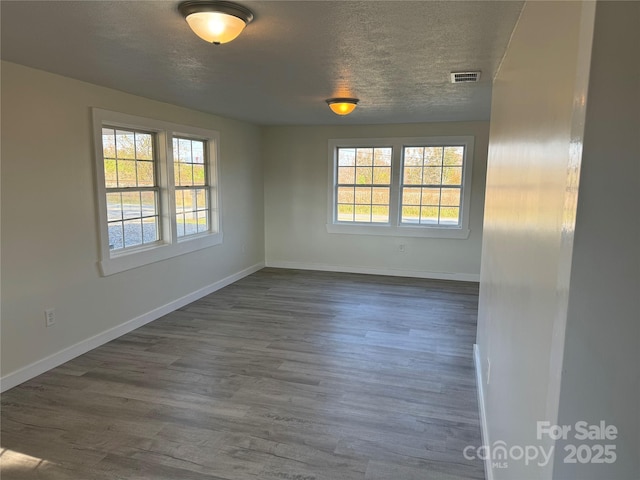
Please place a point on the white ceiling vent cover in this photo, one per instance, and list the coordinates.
(465, 77)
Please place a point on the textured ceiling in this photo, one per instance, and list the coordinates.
(395, 56)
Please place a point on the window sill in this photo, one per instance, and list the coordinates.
(400, 231)
(120, 262)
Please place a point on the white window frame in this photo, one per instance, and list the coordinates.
(394, 227)
(169, 245)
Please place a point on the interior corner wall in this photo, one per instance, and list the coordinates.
(600, 380)
(296, 193)
(533, 166)
(49, 227)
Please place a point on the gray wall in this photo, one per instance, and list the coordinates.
(532, 179)
(49, 228)
(296, 192)
(601, 355)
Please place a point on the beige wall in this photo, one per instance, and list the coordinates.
(49, 231)
(296, 192)
(532, 179)
(602, 350)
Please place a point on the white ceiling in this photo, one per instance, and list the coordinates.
(395, 56)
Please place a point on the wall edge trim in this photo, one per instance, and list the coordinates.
(484, 429)
(39, 367)
(393, 272)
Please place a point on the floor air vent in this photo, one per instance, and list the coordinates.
(464, 77)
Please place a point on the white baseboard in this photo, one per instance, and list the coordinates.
(488, 471)
(393, 272)
(37, 368)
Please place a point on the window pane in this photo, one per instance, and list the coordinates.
(364, 175)
(433, 156)
(346, 157)
(412, 176)
(186, 174)
(345, 195)
(176, 174)
(346, 175)
(180, 224)
(410, 214)
(108, 143)
(450, 197)
(364, 157)
(179, 201)
(363, 213)
(198, 174)
(116, 236)
(363, 195)
(125, 146)
(148, 203)
(380, 214)
(197, 151)
(380, 196)
(452, 176)
(126, 173)
(345, 213)
(176, 152)
(149, 229)
(382, 175)
(413, 156)
(184, 149)
(203, 224)
(144, 146)
(110, 174)
(201, 199)
(382, 157)
(430, 196)
(190, 226)
(145, 174)
(411, 196)
(432, 175)
(453, 156)
(132, 232)
(114, 207)
(193, 195)
(189, 200)
(449, 215)
(429, 215)
(131, 205)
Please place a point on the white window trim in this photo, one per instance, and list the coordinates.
(170, 245)
(394, 227)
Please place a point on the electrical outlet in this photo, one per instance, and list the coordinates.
(50, 317)
(488, 371)
(402, 248)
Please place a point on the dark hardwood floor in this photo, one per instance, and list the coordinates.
(286, 374)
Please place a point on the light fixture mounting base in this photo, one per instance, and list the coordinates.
(198, 6)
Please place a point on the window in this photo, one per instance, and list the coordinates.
(364, 183)
(192, 186)
(400, 186)
(432, 185)
(131, 187)
(156, 187)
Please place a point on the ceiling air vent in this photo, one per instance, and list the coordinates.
(464, 77)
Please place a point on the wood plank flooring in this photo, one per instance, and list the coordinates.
(286, 374)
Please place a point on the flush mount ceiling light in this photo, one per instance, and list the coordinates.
(215, 21)
(342, 106)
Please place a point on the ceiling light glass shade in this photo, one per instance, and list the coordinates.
(342, 106)
(215, 21)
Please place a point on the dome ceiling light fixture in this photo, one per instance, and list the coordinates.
(342, 106)
(215, 21)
